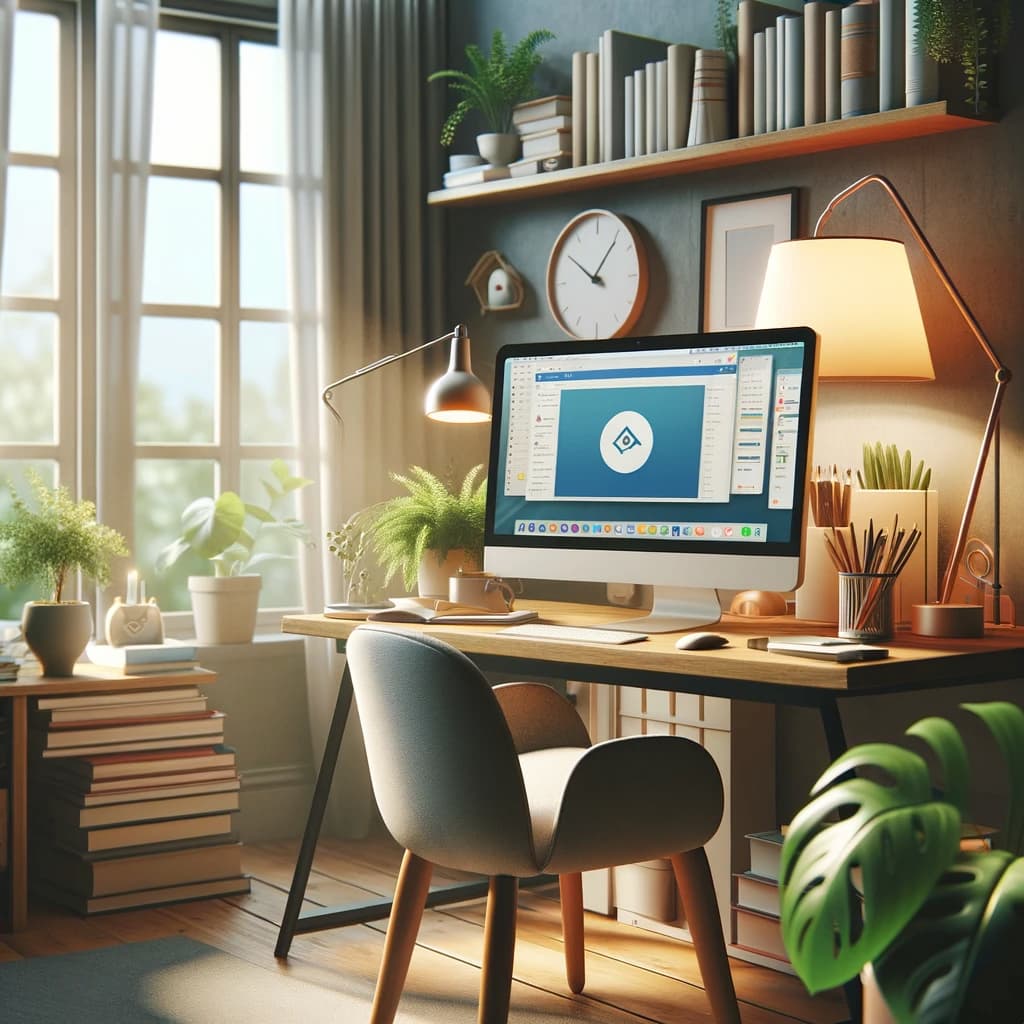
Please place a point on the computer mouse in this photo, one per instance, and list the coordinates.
(701, 641)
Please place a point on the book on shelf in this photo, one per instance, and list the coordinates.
(475, 175)
(760, 932)
(793, 115)
(593, 105)
(579, 108)
(629, 113)
(166, 727)
(640, 112)
(112, 872)
(540, 165)
(130, 747)
(752, 16)
(140, 654)
(892, 52)
(858, 56)
(814, 59)
(67, 815)
(759, 84)
(766, 853)
(108, 766)
(145, 897)
(623, 54)
(770, 91)
(143, 669)
(546, 143)
(157, 788)
(833, 75)
(651, 107)
(680, 60)
(780, 72)
(756, 893)
(562, 122)
(661, 105)
(91, 840)
(921, 71)
(98, 700)
(543, 106)
(111, 712)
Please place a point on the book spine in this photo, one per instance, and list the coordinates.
(680, 93)
(858, 55)
(814, 62)
(922, 73)
(604, 67)
(892, 47)
(759, 82)
(640, 112)
(661, 105)
(780, 72)
(709, 121)
(746, 71)
(593, 112)
(651, 123)
(579, 108)
(628, 110)
(770, 57)
(833, 30)
(794, 72)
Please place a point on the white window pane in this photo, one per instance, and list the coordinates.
(261, 83)
(182, 262)
(281, 588)
(264, 277)
(14, 473)
(35, 85)
(30, 233)
(186, 101)
(163, 488)
(28, 355)
(178, 360)
(266, 384)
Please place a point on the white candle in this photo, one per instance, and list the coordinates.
(142, 591)
(132, 595)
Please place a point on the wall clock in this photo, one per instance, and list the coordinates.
(597, 276)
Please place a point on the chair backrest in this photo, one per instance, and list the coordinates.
(442, 762)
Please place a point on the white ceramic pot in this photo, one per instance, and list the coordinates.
(498, 148)
(57, 633)
(224, 607)
(434, 573)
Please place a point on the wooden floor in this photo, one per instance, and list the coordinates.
(633, 976)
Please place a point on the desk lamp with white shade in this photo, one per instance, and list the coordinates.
(858, 294)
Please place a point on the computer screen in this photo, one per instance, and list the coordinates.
(678, 461)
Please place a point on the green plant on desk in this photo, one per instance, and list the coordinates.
(886, 470)
(880, 851)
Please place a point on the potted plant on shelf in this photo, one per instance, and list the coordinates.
(873, 876)
(430, 533)
(50, 543)
(226, 531)
(493, 85)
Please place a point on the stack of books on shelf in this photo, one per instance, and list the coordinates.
(133, 799)
(544, 127)
(143, 659)
(758, 928)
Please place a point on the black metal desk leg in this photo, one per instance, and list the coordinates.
(297, 892)
(832, 723)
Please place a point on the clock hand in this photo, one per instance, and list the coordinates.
(592, 277)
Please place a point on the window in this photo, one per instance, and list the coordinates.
(214, 391)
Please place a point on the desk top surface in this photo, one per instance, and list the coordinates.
(914, 661)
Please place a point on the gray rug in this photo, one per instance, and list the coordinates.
(166, 981)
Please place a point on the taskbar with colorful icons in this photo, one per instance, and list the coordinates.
(634, 528)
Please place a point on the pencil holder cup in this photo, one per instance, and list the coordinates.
(865, 605)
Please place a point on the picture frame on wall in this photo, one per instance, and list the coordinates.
(736, 235)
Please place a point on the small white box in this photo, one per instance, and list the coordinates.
(647, 888)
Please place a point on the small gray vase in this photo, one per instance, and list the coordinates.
(57, 633)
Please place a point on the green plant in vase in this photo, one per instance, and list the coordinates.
(873, 873)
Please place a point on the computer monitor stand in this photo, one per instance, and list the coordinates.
(675, 609)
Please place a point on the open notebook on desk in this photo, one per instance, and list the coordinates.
(437, 610)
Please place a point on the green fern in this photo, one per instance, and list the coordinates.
(430, 517)
(494, 84)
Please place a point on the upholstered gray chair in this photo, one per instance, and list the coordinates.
(503, 782)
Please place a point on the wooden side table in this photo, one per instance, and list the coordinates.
(87, 679)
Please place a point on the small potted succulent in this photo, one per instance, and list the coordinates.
(493, 85)
(428, 534)
(226, 531)
(50, 543)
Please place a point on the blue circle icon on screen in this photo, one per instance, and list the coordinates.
(627, 441)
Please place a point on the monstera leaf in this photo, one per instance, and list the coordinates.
(850, 886)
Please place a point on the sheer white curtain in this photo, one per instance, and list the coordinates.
(125, 47)
(7, 10)
(366, 264)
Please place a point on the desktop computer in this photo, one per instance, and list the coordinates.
(677, 461)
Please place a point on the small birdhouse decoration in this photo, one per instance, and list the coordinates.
(495, 283)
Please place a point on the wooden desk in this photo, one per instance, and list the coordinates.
(734, 672)
(19, 693)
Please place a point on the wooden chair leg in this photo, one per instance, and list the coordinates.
(403, 926)
(693, 876)
(499, 950)
(570, 888)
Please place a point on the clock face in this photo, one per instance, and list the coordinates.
(597, 276)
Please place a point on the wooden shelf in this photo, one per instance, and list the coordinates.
(906, 123)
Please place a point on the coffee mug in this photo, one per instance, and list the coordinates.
(481, 590)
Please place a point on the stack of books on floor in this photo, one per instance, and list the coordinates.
(133, 800)
(758, 928)
(544, 127)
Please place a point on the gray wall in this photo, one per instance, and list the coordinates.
(965, 188)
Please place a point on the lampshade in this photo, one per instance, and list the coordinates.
(859, 295)
(458, 396)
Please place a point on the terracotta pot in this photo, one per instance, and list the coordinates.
(57, 633)
(224, 607)
(434, 574)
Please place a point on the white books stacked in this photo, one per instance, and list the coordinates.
(142, 659)
(546, 130)
(756, 909)
(475, 175)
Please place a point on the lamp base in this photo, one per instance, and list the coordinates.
(948, 620)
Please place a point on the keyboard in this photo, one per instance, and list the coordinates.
(581, 634)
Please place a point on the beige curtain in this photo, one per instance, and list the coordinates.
(7, 14)
(366, 263)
